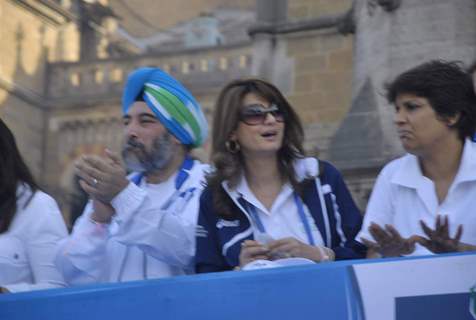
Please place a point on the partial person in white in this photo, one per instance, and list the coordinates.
(472, 72)
(30, 225)
(141, 226)
(424, 202)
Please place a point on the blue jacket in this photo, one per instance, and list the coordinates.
(219, 241)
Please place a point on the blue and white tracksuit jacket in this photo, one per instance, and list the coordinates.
(218, 241)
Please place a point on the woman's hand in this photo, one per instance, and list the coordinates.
(439, 239)
(252, 250)
(291, 247)
(388, 242)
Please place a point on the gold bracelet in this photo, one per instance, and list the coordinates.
(327, 254)
(98, 223)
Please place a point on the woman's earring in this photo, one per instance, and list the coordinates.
(232, 146)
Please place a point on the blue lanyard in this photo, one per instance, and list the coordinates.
(182, 176)
(251, 209)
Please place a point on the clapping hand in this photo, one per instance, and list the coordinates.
(439, 239)
(389, 242)
(101, 177)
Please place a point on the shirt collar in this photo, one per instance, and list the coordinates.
(23, 193)
(467, 168)
(305, 168)
(243, 190)
(410, 174)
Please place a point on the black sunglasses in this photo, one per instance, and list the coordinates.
(255, 114)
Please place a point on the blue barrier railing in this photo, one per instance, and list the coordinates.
(359, 289)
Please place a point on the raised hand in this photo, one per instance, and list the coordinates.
(439, 239)
(101, 177)
(389, 242)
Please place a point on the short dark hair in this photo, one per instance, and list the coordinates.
(140, 96)
(472, 67)
(448, 88)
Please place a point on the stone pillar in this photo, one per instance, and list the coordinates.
(270, 59)
(391, 37)
(271, 11)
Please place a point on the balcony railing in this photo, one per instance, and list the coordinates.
(198, 70)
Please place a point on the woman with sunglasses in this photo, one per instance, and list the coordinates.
(265, 200)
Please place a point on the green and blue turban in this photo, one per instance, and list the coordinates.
(171, 102)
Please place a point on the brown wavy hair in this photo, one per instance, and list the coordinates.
(228, 165)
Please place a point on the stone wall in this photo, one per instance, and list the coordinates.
(142, 18)
(308, 9)
(321, 89)
(32, 34)
(201, 70)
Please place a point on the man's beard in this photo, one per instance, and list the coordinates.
(137, 158)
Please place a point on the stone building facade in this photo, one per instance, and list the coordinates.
(64, 62)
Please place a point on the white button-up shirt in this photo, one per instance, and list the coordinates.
(28, 247)
(402, 196)
(282, 220)
(143, 241)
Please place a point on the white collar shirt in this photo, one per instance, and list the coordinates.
(135, 265)
(402, 197)
(28, 247)
(143, 241)
(282, 220)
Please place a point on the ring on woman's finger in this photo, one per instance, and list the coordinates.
(95, 182)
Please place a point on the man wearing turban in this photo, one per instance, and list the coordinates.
(141, 226)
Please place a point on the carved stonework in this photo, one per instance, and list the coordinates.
(387, 5)
(88, 82)
(48, 10)
(347, 25)
(92, 135)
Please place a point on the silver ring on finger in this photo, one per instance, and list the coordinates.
(95, 182)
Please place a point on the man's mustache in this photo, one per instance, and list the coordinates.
(132, 143)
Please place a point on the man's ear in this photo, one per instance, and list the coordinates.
(174, 139)
(452, 120)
